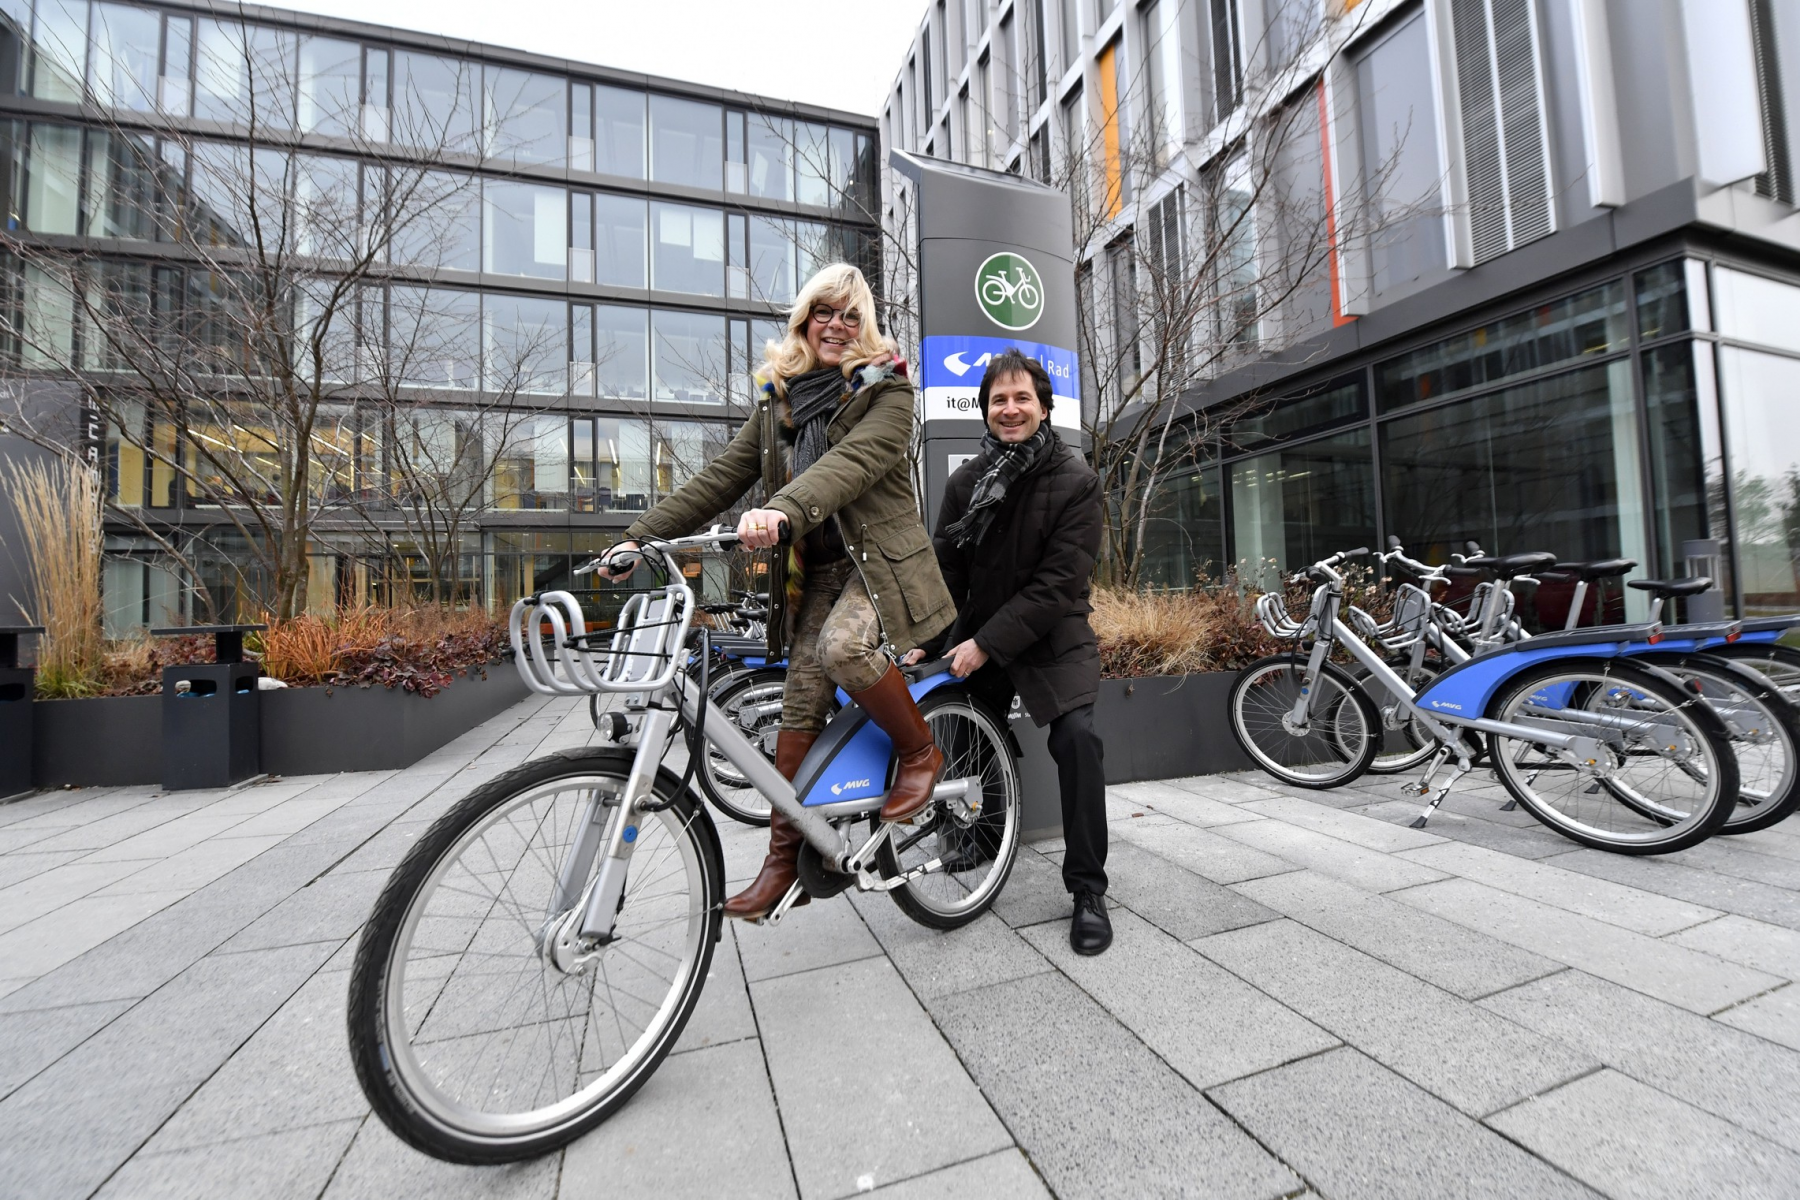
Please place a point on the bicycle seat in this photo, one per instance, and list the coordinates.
(1511, 566)
(1603, 568)
(1672, 587)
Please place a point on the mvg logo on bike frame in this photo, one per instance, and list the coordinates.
(1010, 291)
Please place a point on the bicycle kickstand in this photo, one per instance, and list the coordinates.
(1426, 787)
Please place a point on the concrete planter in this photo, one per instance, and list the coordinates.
(305, 731)
(1159, 727)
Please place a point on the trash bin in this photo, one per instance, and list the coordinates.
(1702, 556)
(16, 687)
(211, 713)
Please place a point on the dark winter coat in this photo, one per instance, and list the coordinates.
(863, 482)
(1022, 592)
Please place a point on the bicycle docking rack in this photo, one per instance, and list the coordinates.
(17, 686)
(211, 713)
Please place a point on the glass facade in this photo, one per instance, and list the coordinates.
(1620, 420)
(536, 330)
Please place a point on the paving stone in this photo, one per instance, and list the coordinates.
(1371, 870)
(820, 934)
(271, 1166)
(1441, 952)
(1183, 805)
(720, 1096)
(1632, 1141)
(1662, 969)
(938, 962)
(1097, 1112)
(1775, 1016)
(191, 869)
(1205, 853)
(41, 945)
(1778, 840)
(1627, 907)
(1002, 1176)
(1458, 1052)
(1233, 788)
(1728, 856)
(61, 1140)
(49, 891)
(379, 1166)
(723, 1013)
(329, 909)
(1174, 899)
(1733, 1075)
(1358, 1131)
(16, 868)
(1202, 1020)
(1741, 940)
(1523, 841)
(31, 1041)
(1351, 827)
(1665, 875)
(854, 1104)
(1034, 892)
(384, 850)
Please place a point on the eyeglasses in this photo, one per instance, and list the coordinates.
(822, 313)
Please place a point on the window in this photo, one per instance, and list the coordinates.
(619, 132)
(619, 241)
(244, 75)
(688, 251)
(1751, 308)
(1501, 96)
(1184, 532)
(1401, 186)
(1227, 57)
(1070, 23)
(1162, 77)
(125, 190)
(689, 357)
(1074, 149)
(331, 87)
(1288, 25)
(526, 116)
(58, 46)
(122, 57)
(1006, 85)
(1294, 416)
(686, 143)
(1234, 219)
(176, 87)
(327, 199)
(812, 164)
(1592, 322)
(524, 229)
(771, 260)
(525, 344)
(622, 352)
(679, 449)
(1121, 265)
(581, 127)
(434, 103)
(53, 175)
(1760, 427)
(1036, 72)
(437, 219)
(610, 465)
(1294, 506)
(531, 462)
(770, 164)
(434, 338)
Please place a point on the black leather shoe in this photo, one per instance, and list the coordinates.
(1090, 931)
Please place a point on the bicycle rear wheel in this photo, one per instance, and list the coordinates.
(1336, 745)
(1780, 663)
(1764, 731)
(1405, 743)
(1656, 773)
(974, 838)
(477, 1033)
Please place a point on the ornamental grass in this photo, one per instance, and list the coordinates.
(58, 506)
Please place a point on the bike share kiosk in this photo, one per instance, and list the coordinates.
(16, 687)
(211, 713)
(996, 271)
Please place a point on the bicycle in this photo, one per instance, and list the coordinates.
(997, 290)
(538, 951)
(1591, 744)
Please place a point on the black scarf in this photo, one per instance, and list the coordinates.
(1003, 464)
(811, 398)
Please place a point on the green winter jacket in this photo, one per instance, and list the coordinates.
(864, 482)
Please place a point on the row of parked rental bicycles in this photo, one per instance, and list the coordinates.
(1636, 738)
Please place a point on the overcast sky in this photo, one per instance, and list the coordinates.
(840, 53)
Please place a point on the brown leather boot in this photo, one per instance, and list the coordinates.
(891, 706)
(778, 869)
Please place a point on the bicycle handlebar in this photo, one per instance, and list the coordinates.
(716, 538)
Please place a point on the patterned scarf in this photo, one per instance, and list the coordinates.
(811, 398)
(1003, 464)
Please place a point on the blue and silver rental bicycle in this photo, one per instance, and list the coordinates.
(536, 954)
(1602, 749)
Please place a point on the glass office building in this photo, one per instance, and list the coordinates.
(609, 250)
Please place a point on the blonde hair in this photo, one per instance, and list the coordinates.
(841, 286)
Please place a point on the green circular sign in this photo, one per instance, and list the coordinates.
(1009, 290)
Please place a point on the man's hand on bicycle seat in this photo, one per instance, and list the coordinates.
(619, 561)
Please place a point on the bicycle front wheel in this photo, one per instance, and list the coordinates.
(1337, 742)
(480, 1031)
(1405, 742)
(1654, 773)
(1764, 735)
(973, 838)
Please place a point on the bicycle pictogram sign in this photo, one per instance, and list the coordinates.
(1010, 290)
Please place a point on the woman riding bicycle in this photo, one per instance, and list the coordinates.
(829, 440)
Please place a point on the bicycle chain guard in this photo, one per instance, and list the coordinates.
(819, 880)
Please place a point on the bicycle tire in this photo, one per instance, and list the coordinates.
(418, 1109)
(727, 791)
(1763, 800)
(1780, 662)
(1413, 744)
(1677, 802)
(1262, 694)
(975, 742)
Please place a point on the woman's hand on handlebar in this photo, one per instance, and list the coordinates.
(912, 658)
(617, 564)
(761, 528)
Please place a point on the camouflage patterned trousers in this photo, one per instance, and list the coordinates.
(836, 643)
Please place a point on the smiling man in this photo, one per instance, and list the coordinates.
(1016, 542)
